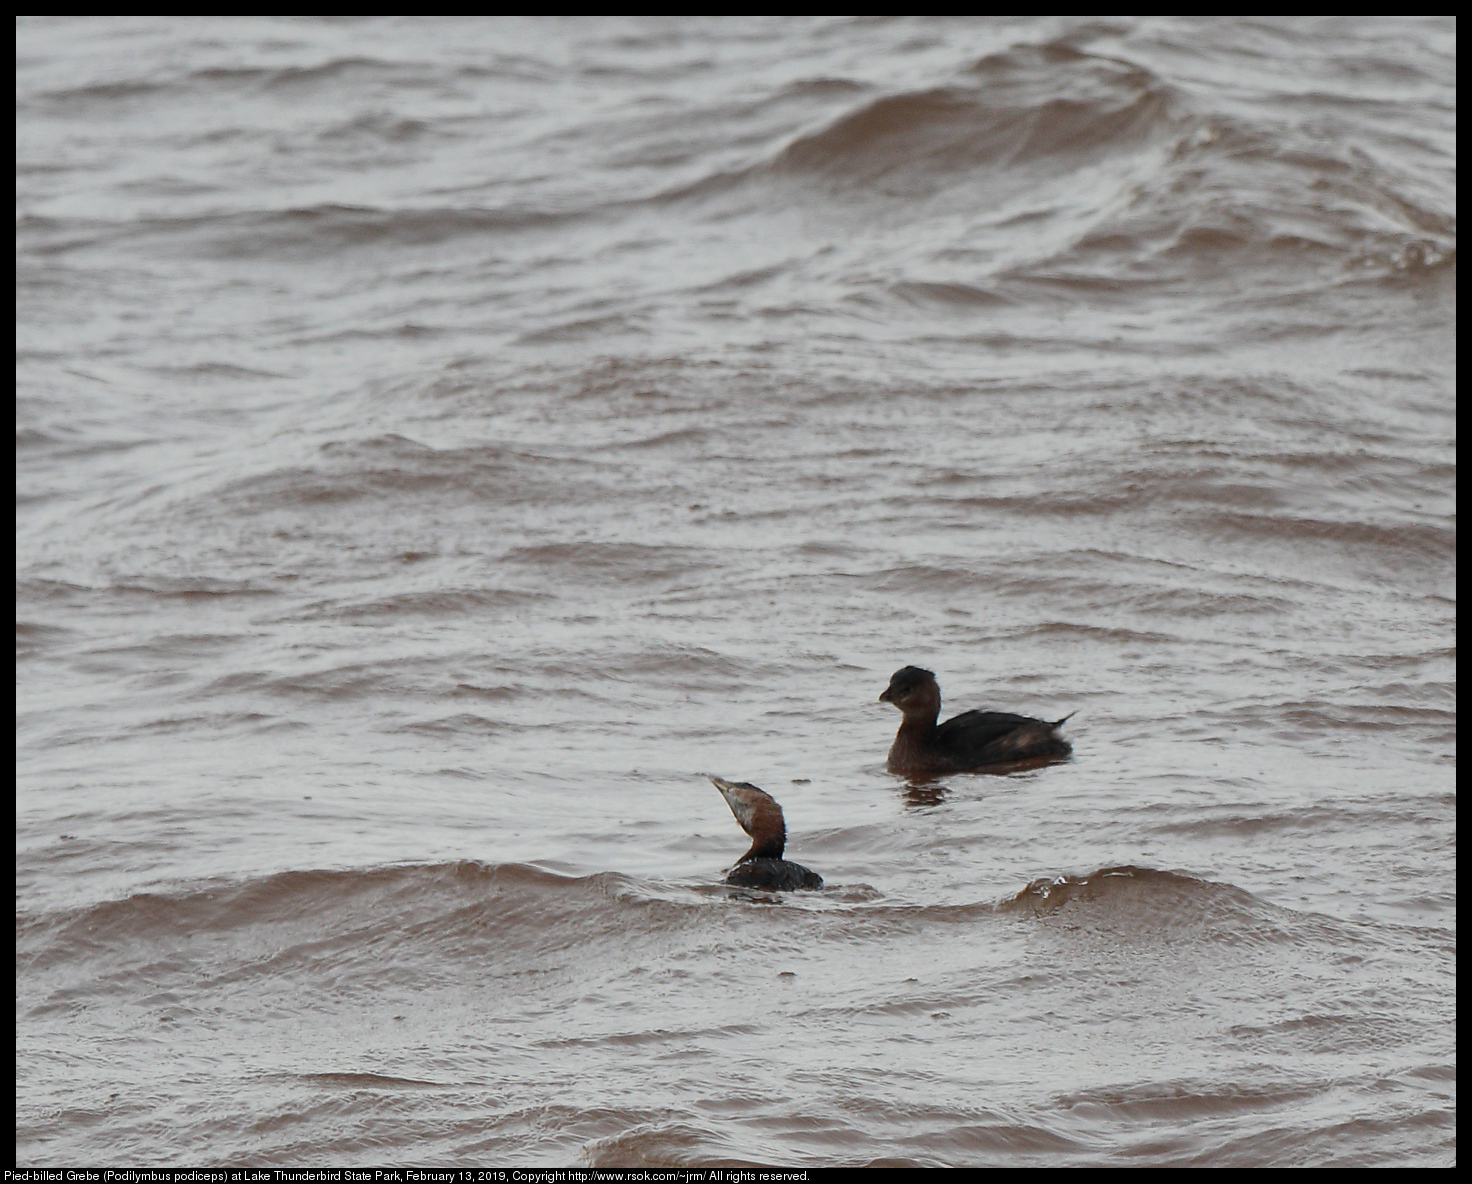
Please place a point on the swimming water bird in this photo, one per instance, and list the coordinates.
(761, 818)
(969, 741)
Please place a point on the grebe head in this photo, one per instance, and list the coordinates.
(759, 815)
(914, 691)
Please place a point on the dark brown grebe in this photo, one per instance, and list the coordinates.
(761, 818)
(971, 740)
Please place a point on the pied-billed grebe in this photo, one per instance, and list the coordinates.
(761, 818)
(971, 740)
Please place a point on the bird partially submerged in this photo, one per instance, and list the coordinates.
(969, 741)
(761, 818)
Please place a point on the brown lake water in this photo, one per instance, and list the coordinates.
(439, 442)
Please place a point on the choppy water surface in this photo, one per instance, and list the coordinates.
(439, 442)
